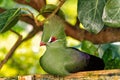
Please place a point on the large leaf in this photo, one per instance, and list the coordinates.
(89, 47)
(111, 14)
(111, 56)
(90, 14)
(8, 19)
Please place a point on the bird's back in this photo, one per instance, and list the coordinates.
(92, 62)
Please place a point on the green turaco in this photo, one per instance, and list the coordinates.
(59, 59)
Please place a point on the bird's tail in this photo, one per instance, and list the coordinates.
(95, 63)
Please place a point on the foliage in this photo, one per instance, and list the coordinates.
(110, 53)
(111, 15)
(10, 4)
(93, 14)
(8, 19)
(89, 47)
(111, 56)
(90, 14)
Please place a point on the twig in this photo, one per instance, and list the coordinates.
(29, 12)
(18, 42)
(31, 34)
(56, 10)
(31, 15)
(10, 53)
(52, 14)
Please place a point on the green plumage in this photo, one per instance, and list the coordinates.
(59, 59)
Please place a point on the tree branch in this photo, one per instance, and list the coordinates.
(34, 31)
(2, 10)
(36, 4)
(107, 35)
(11, 51)
(18, 42)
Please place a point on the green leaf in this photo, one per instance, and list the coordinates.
(88, 47)
(27, 0)
(90, 14)
(8, 19)
(70, 11)
(1, 1)
(49, 8)
(107, 55)
(111, 13)
(111, 56)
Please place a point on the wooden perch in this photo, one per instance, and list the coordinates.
(88, 75)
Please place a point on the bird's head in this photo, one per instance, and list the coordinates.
(53, 32)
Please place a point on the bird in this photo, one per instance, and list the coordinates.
(60, 60)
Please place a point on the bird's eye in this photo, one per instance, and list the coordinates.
(52, 39)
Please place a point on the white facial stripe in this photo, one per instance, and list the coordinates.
(50, 39)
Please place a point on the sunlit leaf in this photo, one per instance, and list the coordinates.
(88, 47)
(90, 14)
(52, 1)
(70, 10)
(111, 14)
(71, 42)
(8, 19)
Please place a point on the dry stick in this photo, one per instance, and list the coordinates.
(10, 53)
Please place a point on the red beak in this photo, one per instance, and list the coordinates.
(42, 44)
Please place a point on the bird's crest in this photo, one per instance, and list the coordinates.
(53, 30)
